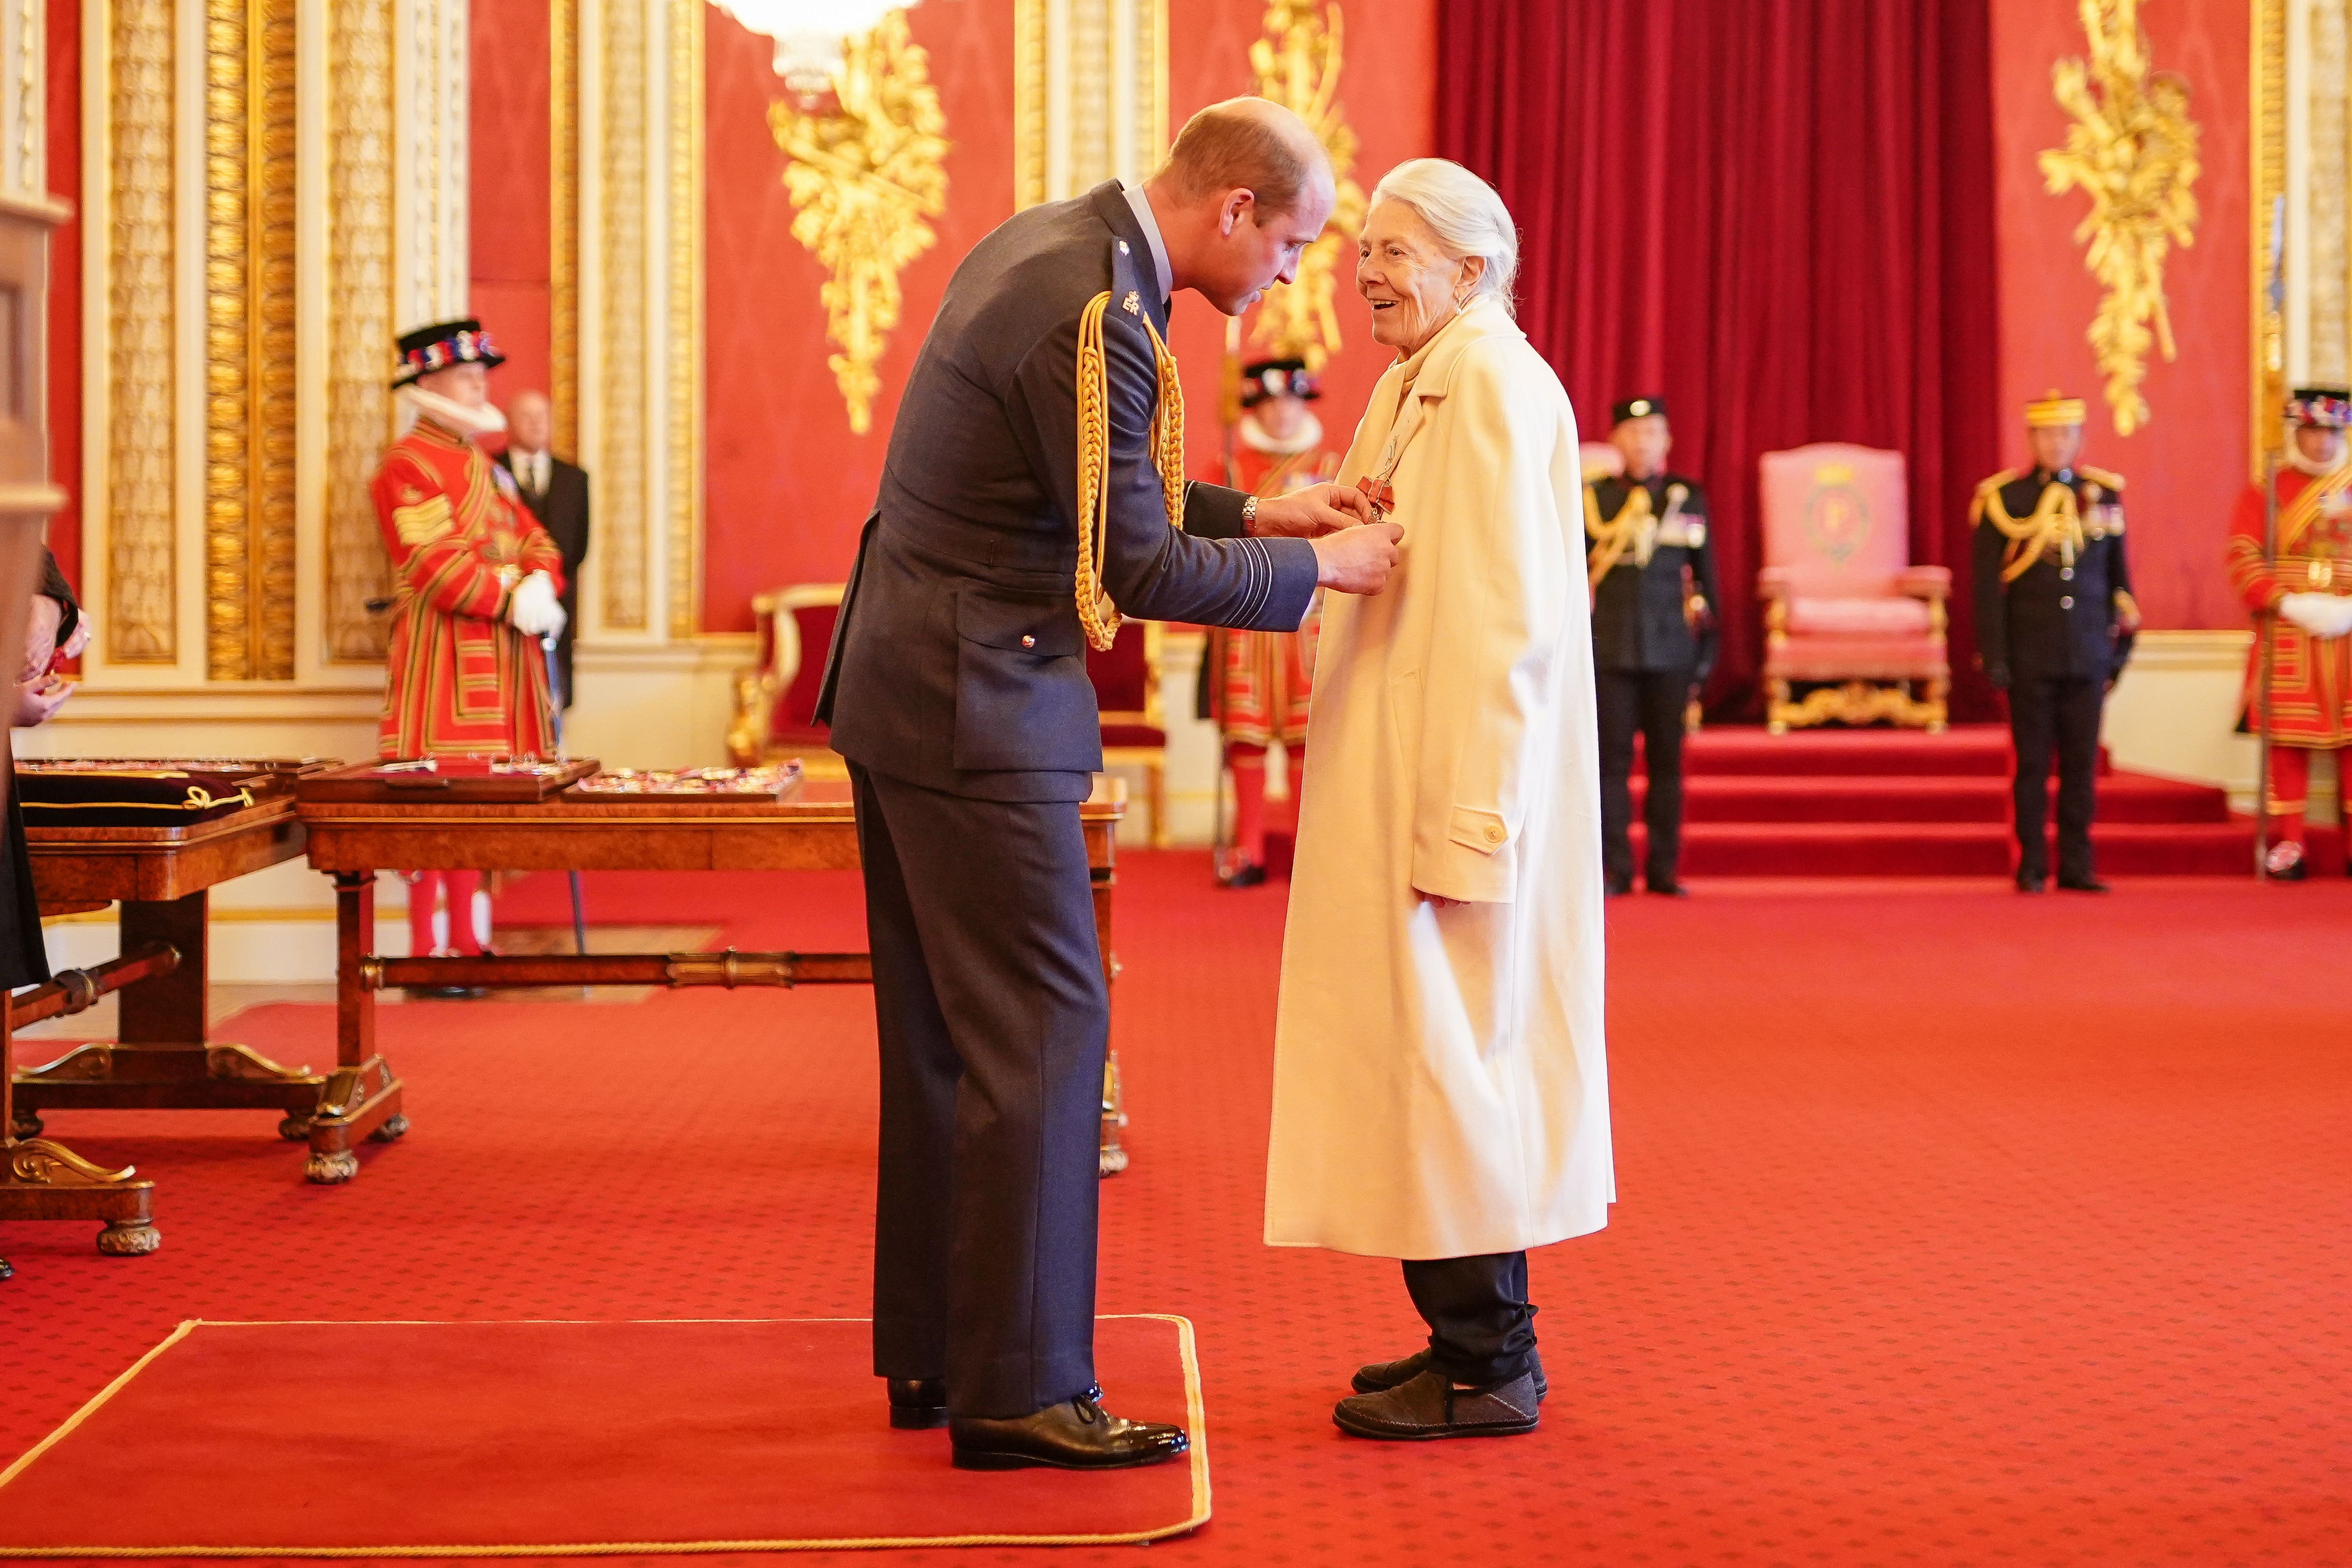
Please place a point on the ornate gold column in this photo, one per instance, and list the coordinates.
(1090, 94)
(249, 340)
(2268, 177)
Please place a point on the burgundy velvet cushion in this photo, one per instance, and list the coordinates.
(1116, 735)
(794, 721)
(1122, 676)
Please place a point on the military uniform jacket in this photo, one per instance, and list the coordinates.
(1642, 616)
(2310, 678)
(2051, 584)
(459, 679)
(959, 663)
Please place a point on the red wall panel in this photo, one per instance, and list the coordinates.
(789, 483)
(2189, 463)
(507, 153)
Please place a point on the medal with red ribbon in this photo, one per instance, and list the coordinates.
(1383, 497)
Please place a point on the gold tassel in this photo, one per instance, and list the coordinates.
(1097, 613)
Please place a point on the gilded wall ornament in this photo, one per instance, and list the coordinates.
(1297, 63)
(2132, 148)
(864, 173)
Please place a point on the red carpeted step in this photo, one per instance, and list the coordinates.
(1946, 849)
(2123, 797)
(1979, 749)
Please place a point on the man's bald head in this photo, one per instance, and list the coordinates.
(529, 422)
(1250, 144)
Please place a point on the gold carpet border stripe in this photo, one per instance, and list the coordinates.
(187, 1327)
(1195, 1418)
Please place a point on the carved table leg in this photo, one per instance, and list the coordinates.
(162, 1058)
(41, 1179)
(363, 1098)
(1111, 1157)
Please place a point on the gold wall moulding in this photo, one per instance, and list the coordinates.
(1298, 64)
(2132, 148)
(864, 173)
(140, 621)
(359, 319)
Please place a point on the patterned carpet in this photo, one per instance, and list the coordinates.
(1955, 1228)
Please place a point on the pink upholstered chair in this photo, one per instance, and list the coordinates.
(1845, 613)
(775, 699)
(1134, 730)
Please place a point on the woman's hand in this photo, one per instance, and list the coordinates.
(1312, 512)
(36, 700)
(41, 636)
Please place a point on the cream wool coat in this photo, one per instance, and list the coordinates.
(1440, 1086)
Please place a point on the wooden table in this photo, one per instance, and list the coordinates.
(163, 1055)
(813, 829)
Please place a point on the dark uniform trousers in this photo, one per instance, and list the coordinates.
(1481, 1327)
(2055, 715)
(992, 1031)
(1647, 702)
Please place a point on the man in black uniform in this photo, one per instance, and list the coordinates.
(1651, 574)
(557, 494)
(2054, 625)
(957, 689)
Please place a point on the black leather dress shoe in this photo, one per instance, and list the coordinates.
(2081, 885)
(1382, 1375)
(1667, 889)
(917, 1403)
(2029, 881)
(1431, 1406)
(1075, 1434)
(1247, 877)
(1618, 886)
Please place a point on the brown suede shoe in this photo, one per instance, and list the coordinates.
(1430, 1406)
(1075, 1434)
(1382, 1375)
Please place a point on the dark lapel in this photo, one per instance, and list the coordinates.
(1132, 268)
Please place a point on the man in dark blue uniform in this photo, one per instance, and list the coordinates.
(1652, 573)
(1023, 487)
(2055, 622)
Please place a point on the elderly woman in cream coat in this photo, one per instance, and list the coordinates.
(1440, 1089)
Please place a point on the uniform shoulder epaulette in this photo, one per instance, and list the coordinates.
(1991, 488)
(2105, 479)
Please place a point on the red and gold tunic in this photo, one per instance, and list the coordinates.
(1260, 682)
(2311, 678)
(460, 680)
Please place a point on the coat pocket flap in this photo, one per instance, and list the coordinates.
(1483, 831)
(1045, 628)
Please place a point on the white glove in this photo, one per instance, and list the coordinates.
(533, 610)
(2323, 615)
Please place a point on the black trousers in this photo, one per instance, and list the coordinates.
(2060, 714)
(992, 1017)
(1648, 702)
(1481, 1327)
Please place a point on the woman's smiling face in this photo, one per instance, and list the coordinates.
(1406, 277)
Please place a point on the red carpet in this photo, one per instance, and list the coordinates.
(1955, 1228)
(1887, 803)
(545, 1437)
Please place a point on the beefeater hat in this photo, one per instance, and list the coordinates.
(441, 345)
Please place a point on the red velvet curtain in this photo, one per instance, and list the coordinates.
(1778, 215)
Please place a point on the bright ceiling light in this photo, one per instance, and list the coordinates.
(809, 34)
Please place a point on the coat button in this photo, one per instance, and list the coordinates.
(1494, 835)
(2065, 573)
(2067, 602)
(1032, 642)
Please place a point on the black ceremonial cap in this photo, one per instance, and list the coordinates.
(1636, 408)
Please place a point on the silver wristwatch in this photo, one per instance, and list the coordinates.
(1249, 514)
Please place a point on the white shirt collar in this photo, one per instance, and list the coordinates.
(1142, 206)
